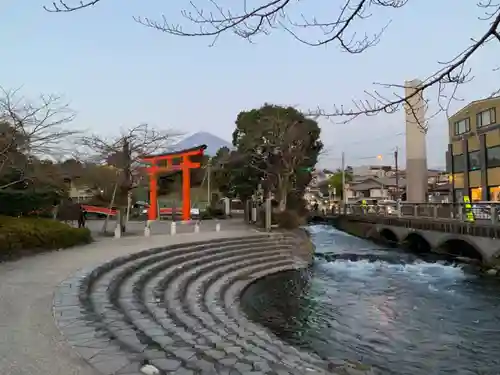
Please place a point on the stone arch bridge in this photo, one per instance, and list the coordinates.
(481, 242)
(480, 248)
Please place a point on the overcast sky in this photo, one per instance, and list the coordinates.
(119, 73)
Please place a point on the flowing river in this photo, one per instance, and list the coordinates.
(387, 308)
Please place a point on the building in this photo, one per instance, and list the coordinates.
(375, 188)
(364, 171)
(436, 177)
(81, 193)
(439, 193)
(473, 156)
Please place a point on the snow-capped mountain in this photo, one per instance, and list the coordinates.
(203, 138)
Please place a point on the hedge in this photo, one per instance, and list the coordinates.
(212, 213)
(23, 236)
(27, 202)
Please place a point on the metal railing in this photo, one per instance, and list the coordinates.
(483, 212)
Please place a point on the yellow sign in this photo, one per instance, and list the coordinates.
(469, 214)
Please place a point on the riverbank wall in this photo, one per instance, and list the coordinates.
(357, 228)
(303, 248)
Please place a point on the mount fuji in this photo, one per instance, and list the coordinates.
(203, 138)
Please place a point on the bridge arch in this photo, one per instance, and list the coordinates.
(389, 236)
(460, 247)
(417, 243)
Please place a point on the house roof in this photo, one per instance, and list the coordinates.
(374, 183)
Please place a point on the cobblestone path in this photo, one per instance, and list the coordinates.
(176, 308)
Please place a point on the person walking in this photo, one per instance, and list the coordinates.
(81, 217)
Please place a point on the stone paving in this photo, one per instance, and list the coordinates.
(176, 308)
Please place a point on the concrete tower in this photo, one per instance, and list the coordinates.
(416, 152)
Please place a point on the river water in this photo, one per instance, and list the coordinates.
(383, 307)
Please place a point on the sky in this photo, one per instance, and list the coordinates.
(117, 73)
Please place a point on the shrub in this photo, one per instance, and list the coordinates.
(213, 213)
(20, 236)
(288, 219)
(27, 202)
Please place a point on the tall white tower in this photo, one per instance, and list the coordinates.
(416, 152)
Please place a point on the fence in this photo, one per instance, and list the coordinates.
(481, 211)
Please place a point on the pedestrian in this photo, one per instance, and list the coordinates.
(81, 217)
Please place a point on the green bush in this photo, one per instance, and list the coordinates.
(205, 215)
(288, 219)
(213, 213)
(20, 236)
(27, 202)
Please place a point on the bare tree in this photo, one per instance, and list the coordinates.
(343, 29)
(31, 129)
(124, 152)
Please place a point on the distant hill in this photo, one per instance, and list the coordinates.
(203, 138)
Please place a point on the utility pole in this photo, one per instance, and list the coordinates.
(397, 171)
(209, 193)
(126, 186)
(381, 172)
(344, 198)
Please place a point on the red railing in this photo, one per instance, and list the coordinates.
(99, 210)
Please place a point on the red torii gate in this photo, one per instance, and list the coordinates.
(185, 166)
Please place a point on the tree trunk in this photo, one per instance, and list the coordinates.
(282, 206)
(122, 217)
(282, 193)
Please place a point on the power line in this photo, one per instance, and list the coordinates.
(325, 156)
(388, 153)
(375, 139)
(370, 140)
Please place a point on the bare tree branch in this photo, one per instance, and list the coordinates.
(125, 150)
(32, 129)
(343, 29)
(39, 126)
(143, 140)
(61, 6)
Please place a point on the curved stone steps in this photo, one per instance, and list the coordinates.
(229, 312)
(225, 258)
(133, 313)
(176, 308)
(210, 302)
(175, 290)
(222, 258)
(171, 296)
(188, 324)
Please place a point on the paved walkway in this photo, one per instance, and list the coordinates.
(30, 343)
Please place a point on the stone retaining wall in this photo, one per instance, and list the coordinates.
(176, 308)
(357, 228)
